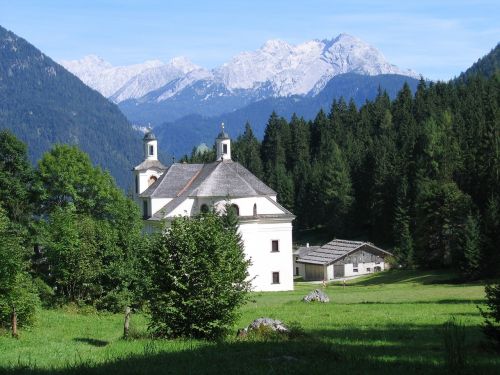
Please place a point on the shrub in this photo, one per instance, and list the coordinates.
(198, 278)
(491, 317)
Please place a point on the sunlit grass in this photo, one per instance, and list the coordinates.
(383, 323)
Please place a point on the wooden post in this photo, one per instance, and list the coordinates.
(14, 323)
(126, 324)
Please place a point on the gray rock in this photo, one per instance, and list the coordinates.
(316, 295)
(274, 324)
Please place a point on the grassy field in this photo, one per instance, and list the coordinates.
(381, 324)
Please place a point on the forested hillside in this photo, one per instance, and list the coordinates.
(419, 174)
(43, 104)
(178, 137)
(486, 66)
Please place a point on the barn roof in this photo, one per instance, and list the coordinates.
(334, 251)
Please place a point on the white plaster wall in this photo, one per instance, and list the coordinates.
(257, 239)
(329, 272)
(362, 268)
(146, 145)
(144, 178)
(264, 206)
(158, 203)
(183, 209)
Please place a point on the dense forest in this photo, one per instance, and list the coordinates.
(419, 174)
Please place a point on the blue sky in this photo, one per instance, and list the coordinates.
(438, 39)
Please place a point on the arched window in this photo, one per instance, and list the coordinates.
(152, 180)
(204, 208)
(255, 209)
(235, 209)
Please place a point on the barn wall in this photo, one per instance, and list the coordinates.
(315, 272)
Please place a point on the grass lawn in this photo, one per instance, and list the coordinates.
(385, 323)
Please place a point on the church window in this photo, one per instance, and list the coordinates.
(145, 209)
(255, 209)
(276, 277)
(224, 148)
(151, 150)
(204, 208)
(275, 246)
(152, 180)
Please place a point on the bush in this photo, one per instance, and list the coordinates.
(491, 317)
(198, 278)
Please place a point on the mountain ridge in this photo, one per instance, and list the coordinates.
(43, 104)
(276, 69)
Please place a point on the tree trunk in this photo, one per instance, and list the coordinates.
(126, 324)
(14, 323)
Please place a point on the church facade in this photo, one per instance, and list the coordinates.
(181, 189)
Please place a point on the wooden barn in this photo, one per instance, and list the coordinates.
(338, 258)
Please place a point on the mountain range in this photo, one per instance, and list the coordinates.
(156, 92)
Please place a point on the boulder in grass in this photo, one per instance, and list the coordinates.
(273, 324)
(316, 296)
(266, 323)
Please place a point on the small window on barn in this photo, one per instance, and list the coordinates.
(204, 208)
(151, 150)
(276, 277)
(368, 269)
(275, 246)
(354, 270)
(296, 271)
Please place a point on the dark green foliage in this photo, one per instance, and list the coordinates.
(441, 213)
(403, 240)
(485, 66)
(43, 104)
(198, 278)
(246, 150)
(472, 264)
(16, 286)
(16, 178)
(492, 316)
(92, 238)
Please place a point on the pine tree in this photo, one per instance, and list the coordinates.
(403, 240)
(471, 249)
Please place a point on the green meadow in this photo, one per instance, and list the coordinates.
(391, 322)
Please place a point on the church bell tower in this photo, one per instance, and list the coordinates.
(223, 145)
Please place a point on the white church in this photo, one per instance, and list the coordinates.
(181, 189)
